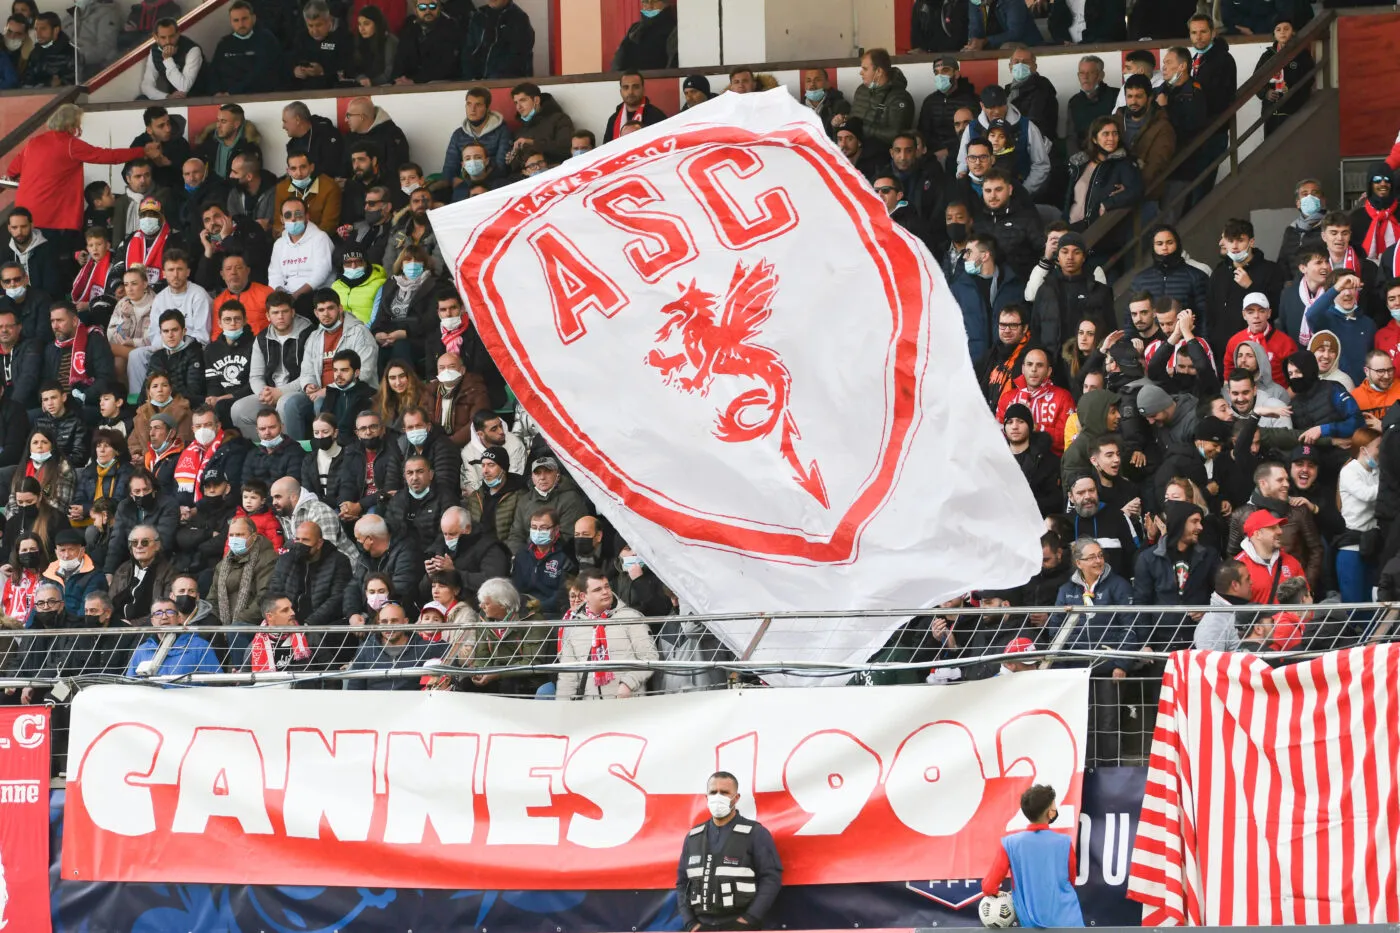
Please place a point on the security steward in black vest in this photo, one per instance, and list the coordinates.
(730, 873)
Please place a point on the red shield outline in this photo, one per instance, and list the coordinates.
(901, 272)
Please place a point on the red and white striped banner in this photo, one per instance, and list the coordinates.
(1272, 796)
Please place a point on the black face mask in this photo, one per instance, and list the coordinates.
(31, 560)
(371, 443)
(957, 233)
(584, 548)
(1168, 262)
(298, 551)
(210, 503)
(185, 603)
(323, 443)
(145, 501)
(93, 621)
(1301, 384)
(27, 512)
(47, 618)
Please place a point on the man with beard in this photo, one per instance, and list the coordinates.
(1374, 226)
(1141, 324)
(366, 172)
(1178, 571)
(1307, 493)
(999, 365)
(1089, 519)
(1301, 538)
(1050, 404)
(1219, 630)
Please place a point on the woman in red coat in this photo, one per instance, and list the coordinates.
(50, 171)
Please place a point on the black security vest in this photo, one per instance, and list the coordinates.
(720, 883)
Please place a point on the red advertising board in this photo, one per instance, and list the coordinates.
(24, 819)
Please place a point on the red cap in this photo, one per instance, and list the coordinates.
(1260, 520)
(1018, 645)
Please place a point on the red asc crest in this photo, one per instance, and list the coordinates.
(715, 280)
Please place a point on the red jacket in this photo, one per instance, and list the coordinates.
(1050, 405)
(50, 173)
(267, 525)
(1388, 339)
(1275, 342)
(1261, 575)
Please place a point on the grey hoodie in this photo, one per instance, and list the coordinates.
(1268, 392)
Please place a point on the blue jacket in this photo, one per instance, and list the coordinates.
(544, 577)
(9, 78)
(1100, 630)
(1002, 21)
(980, 318)
(190, 654)
(1356, 334)
(373, 655)
(78, 586)
(493, 135)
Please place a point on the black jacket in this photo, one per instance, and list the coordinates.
(403, 562)
(316, 588)
(383, 463)
(1061, 304)
(1215, 73)
(1173, 277)
(431, 54)
(651, 115)
(185, 367)
(650, 44)
(19, 375)
(70, 433)
(1104, 21)
(1037, 102)
(1226, 297)
(43, 274)
(478, 558)
(1041, 468)
(346, 405)
(199, 542)
(474, 356)
(392, 145)
(271, 465)
(248, 240)
(445, 457)
(213, 189)
(499, 44)
(100, 368)
(1186, 109)
(1118, 171)
(417, 519)
(344, 479)
(1016, 228)
(1157, 582)
(321, 144)
(936, 114)
(246, 66)
(164, 517)
(333, 55)
(46, 64)
(938, 26)
(1293, 74)
(14, 432)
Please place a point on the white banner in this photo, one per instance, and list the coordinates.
(452, 790)
(759, 379)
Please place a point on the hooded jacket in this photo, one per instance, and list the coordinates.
(884, 111)
(1322, 402)
(1355, 332)
(1041, 468)
(1167, 576)
(1264, 383)
(499, 43)
(492, 134)
(1093, 425)
(1037, 153)
(649, 45)
(386, 136)
(1301, 537)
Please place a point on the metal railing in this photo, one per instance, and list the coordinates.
(1315, 38)
(1124, 646)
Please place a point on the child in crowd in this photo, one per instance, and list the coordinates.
(256, 497)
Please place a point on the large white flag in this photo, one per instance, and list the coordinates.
(759, 379)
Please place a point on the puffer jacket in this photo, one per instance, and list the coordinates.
(884, 111)
(1062, 303)
(493, 135)
(70, 433)
(185, 367)
(1118, 170)
(345, 477)
(199, 541)
(1173, 277)
(417, 519)
(316, 588)
(499, 44)
(551, 130)
(403, 562)
(271, 465)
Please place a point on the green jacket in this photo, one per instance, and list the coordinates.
(884, 111)
(360, 299)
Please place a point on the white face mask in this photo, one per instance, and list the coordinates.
(449, 376)
(719, 805)
(205, 436)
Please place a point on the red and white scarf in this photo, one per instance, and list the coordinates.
(623, 118)
(262, 657)
(1349, 261)
(139, 254)
(191, 465)
(19, 595)
(91, 282)
(599, 649)
(77, 367)
(452, 339)
(1384, 229)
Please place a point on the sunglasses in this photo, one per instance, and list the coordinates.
(427, 6)
(141, 542)
(884, 189)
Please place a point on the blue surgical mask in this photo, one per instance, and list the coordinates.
(296, 227)
(539, 537)
(1310, 205)
(250, 32)
(527, 117)
(233, 335)
(630, 562)
(417, 437)
(942, 83)
(1395, 315)
(972, 268)
(17, 293)
(411, 270)
(421, 495)
(354, 273)
(189, 188)
(150, 226)
(302, 184)
(1020, 72)
(238, 545)
(269, 444)
(580, 152)
(41, 457)
(161, 404)
(475, 167)
(493, 483)
(651, 13)
(815, 95)
(1238, 257)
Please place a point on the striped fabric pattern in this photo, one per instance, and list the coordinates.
(1272, 794)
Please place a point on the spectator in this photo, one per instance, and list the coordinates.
(422, 437)
(1038, 463)
(413, 229)
(1374, 226)
(882, 102)
(1172, 273)
(1069, 295)
(189, 653)
(94, 31)
(499, 43)
(373, 50)
(741, 80)
(301, 257)
(472, 555)
(78, 357)
(104, 477)
(1336, 236)
(1321, 407)
(234, 254)
(241, 578)
(338, 331)
(995, 23)
(619, 634)
(201, 189)
(650, 42)
(144, 17)
(332, 473)
(457, 397)
(179, 357)
(996, 369)
(922, 184)
(548, 488)
(1032, 161)
(160, 400)
(494, 502)
(391, 650)
(951, 91)
(1149, 137)
(397, 558)
(1259, 329)
(1219, 630)
(139, 580)
(545, 127)
(1378, 391)
(399, 390)
(317, 138)
(1267, 563)
(148, 243)
(292, 504)
(822, 99)
(1013, 223)
(227, 361)
(319, 194)
(33, 251)
(32, 508)
(212, 456)
(1088, 23)
(695, 89)
(368, 124)
(22, 576)
(173, 67)
(850, 137)
(1033, 94)
(484, 127)
(19, 46)
(231, 135)
(1177, 571)
(1034, 388)
(1241, 271)
(201, 536)
(320, 52)
(1213, 68)
(1313, 271)
(246, 61)
(488, 430)
(1093, 100)
(313, 575)
(130, 325)
(63, 421)
(167, 172)
(359, 284)
(254, 192)
(371, 234)
(414, 512)
(1247, 17)
(1357, 489)
(1185, 103)
(1338, 310)
(1102, 177)
(430, 47)
(1306, 230)
(52, 63)
(1140, 62)
(635, 106)
(937, 26)
(276, 455)
(1288, 77)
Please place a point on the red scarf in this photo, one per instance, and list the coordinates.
(19, 595)
(192, 463)
(137, 252)
(77, 367)
(91, 282)
(623, 119)
(1349, 261)
(262, 658)
(599, 652)
(1384, 230)
(452, 340)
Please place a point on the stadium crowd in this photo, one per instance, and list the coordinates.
(232, 396)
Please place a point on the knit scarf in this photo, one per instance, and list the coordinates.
(139, 254)
(77, 367)
(599, 649)
(244, 597)
(623, 117)
(262, 657)
(1003, 373)
(91, 282)
(191, 464)
(19, 595)
(1349, 261)
(1384, 229)
(452, 339)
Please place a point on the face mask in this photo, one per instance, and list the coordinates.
(46, 45)
(354, 273)
(238, 35)
(106, 464)
(1299, 383)
(417, 437)
(628, 563)
(584, 548)
(420, 495)
(411, 270)
(873, 85)
(1310, 205)
(332, 328)
(1238, 257)
(528, 116)
(189, 188)
(409, 189)
(376, 601)
(185, 603)
(475, 167)
(580, 152)
(373, 215)
(493, 483)
(145, 500)
(17, 293)
(298, 550)
(13, 45)
(651, 13)
(539, 537)
(942, 83)
(269, 444)
(27, 512)
(238, 545)
(449, 376)
(1020, 72)
(450, 323)
(150, 226)
(370, 443)
(301, 184)
(815, 96)
(204, 436)
(70, 565)
(45, 619)
(972, 268)
(1368, 462)
(323, 443)
(1395, 315)
(31, 560)
(296, 227)
(719, 805)
(41, 458)
(451, 542)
